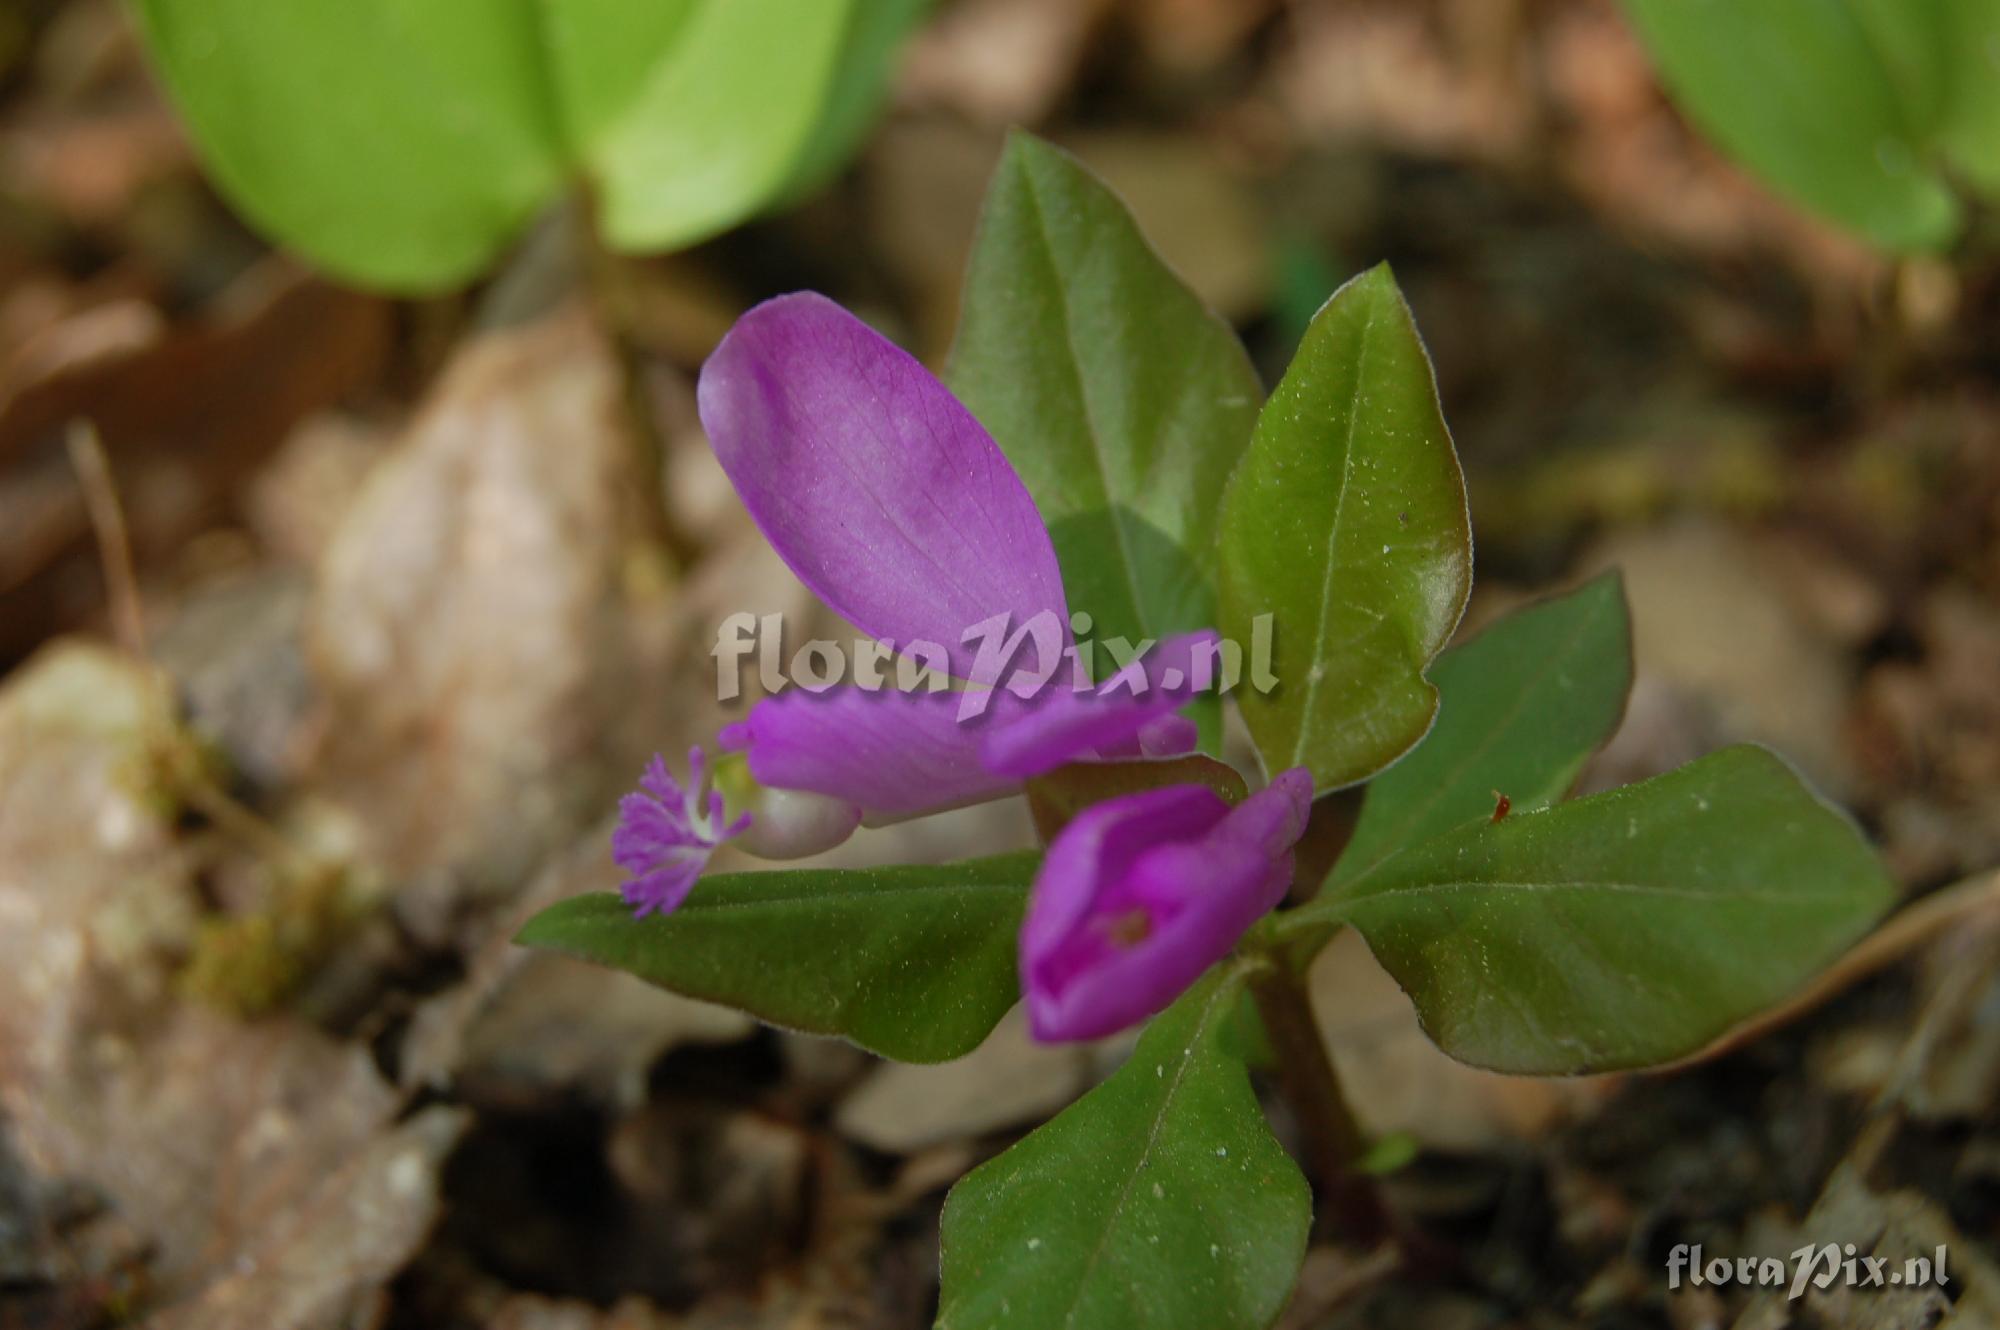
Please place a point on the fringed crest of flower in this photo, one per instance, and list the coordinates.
(666, 833)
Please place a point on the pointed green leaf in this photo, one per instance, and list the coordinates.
(1622, 930)
(1346, 523)
(1119, 397)
(396, 144)
(913, 962)
(1158, 1201)
(1522, 706)
(1839, 103)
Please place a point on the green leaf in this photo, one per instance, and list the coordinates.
(715, 122)
(1158, 1201)
(1841, 104)
(1122, 401)
(1971, 130)
(1622, 930)
(399, 144)
(913, 962)
(1522, 706)
(1346, 523)
(404, 144)
(875, 32)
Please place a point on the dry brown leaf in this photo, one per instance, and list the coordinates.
(206, 1136)
(1565, 88)
(1718, 632)
(999, 62)
(1930, 733)
(91, 167)
(278, 347)
(1633, 159)
(93, 887)
(1199, 215)
(295, 503)
(470, 631)
(201, 1131)
(923, 182)
(1008, 1081)
(1195, 35)
(321, 1264)
(1948, 1034)
(1380, 73)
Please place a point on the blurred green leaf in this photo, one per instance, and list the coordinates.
(1346, 523)
(1853, 107)
(913, 962)
(1522, 706)
(875, 32)
(404, 145)
(1622, 930)
(1120, 398)
(714, 124)
(1391, 1154)
(395, 144)
(1971, 131)
(1158, 1201)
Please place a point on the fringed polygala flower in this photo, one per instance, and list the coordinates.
(895, 506)
(1139, 895)
(665, 834)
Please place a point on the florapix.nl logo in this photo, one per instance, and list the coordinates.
(1819, 1267)
(1025, 659)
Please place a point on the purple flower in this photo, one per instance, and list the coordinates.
(892, 503)
(888, 499)
(1139, 895)
(896, 755)
(665, 834)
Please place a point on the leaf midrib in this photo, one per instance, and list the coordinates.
(1225, 988)
(1313, 681)
(1072, 361)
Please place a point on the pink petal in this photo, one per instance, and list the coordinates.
(872, 481)
(1113, 718)
(1190, 872)
(891, 753)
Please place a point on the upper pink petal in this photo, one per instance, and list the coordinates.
(872, 481)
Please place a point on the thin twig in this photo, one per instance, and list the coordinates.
(114, 544)
(114, 549)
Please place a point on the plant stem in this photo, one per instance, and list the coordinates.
(1353, 1207)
